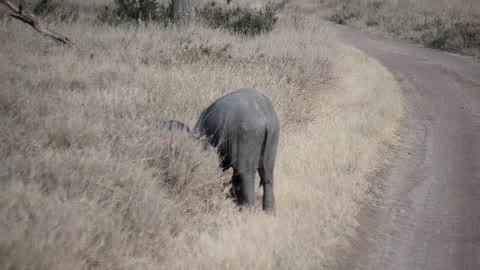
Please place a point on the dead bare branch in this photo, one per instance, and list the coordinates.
(20, 14)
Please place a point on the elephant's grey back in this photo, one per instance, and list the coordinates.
(238, 124)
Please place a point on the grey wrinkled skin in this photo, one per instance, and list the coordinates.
(245, 129)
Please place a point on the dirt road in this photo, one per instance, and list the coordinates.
(429, 215)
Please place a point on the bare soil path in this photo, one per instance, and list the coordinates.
(429, 215)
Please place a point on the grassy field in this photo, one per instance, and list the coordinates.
(87, 181)
(451, 25)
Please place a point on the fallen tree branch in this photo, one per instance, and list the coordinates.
(31, 20)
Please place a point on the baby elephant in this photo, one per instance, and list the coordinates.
(245, 129)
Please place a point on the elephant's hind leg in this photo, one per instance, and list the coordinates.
(266, 178)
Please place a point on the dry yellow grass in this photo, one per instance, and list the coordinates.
(86, 181)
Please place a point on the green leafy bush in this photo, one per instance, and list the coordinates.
(239, 20)
(127, 11)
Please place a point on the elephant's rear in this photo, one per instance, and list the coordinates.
(244, 126)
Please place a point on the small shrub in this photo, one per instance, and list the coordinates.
(344, 14)
(456, 37)
(470, 33)
(239, 20)
(128, 11)
(190, 53)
